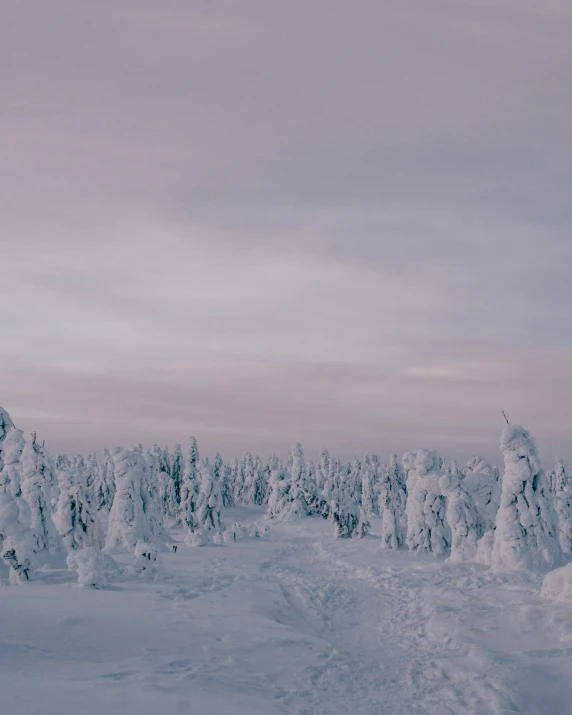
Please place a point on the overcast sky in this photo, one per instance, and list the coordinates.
(345, 223)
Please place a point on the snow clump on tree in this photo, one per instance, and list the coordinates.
(74, 518)
(525, 536)
(562, 494)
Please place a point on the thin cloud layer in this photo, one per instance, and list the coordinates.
(359, 214)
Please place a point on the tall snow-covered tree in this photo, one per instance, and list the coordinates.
(37, 491)
(134, 513)
(176, 468)
(462, 517)
(279, 487)
(190, 487)
(526, 533)
(392, 498)
(6, 425)
(10, 475)
(482, 482)
(74, 517)
(103, 487)
(368, 497)
(209, 509)
(562, 491)
(344, 509)
(253, 488)
(427, 529)
(296, 505)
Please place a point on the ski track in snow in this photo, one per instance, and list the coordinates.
(296, 624)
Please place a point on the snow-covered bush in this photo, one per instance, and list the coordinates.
(526, 535)
(238, 532)
(427, 529)
(89, 564)
(16, 545)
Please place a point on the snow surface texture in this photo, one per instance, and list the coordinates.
(297, 623)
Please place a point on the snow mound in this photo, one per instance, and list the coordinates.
(557, 585)
(89, 564)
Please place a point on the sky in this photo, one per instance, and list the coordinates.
(348, 224)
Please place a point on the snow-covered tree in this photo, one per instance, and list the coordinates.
(391, 500)
(253, 488)
(10, 475)
(279, 489)
(427, 530)
(562, 491)
(74, 517)
(37, 491)
(482, 482)
(190, 487)
(368, 497)
(526, 533)
(158, 463)
(134, 514)
(343, 508)
(462, 517)
(208, 514)
(16, 544)
(296, 505)
(176, 468)
(103, 487)
(237, 479)
(6, 425)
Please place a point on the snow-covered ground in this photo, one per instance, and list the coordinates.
(297, 622)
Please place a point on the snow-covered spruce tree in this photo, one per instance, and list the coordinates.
(134, 514)
(296, 505)
(427, 529)
(74, 517)
(253, 488)
(190, 487)
(176, 468)
(91, 472)
(344, 510)
(6, 425)
(562, 493)
(526, 533)
(237, 477)
(462, 517)
(368, 498)
(279, 489)
(481, 480)
(158, 463)
(209, 508)
(103, 488)
(227, 485)
(391, 500)
(10, 475)
(16, 545)
(36, 490)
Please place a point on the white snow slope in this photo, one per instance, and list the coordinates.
(296, 623)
